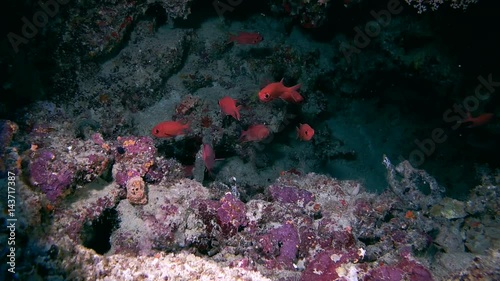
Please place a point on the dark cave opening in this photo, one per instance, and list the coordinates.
(97, 233)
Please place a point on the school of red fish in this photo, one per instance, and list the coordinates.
(229, 107)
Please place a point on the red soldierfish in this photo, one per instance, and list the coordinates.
(278, 90)
(228, 106)
(254, 133)
(245, 38)
(477, 121)
(292, 96)
(169, 129)
(305, 132)
(208, 155)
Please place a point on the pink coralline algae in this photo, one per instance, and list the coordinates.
(97, 139)
(164, 171)
(166, 222)
(414, 270)
(122, 177)
(75, 220)
(50, 174)
(280, 237)
(290, 194)
(309, 229)
(328, 265)
(231, 214)
(56, 161)
(207, 212)
(406, 269)
(54, 170)
(222, 218)
(389, 273)
(138, 158)
(282, 242)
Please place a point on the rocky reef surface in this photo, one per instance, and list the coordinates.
(303, 226)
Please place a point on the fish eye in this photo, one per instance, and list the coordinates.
(266, 95)
(157, 131)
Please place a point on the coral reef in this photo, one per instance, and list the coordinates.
(310, 13)
(58, 163)
(308, 226)
(101, 199)
(433, 5)
(105, 25)
(50, 176)
(166, 223)
(138, 157)
(9, 157)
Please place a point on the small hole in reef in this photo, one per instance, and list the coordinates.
(96, 235)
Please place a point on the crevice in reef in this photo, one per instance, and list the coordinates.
(96, 234)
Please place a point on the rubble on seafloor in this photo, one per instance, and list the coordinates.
(303, 227)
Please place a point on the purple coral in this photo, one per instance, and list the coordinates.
(97, 139)
(389, 273)
(52, 176)
(231, 214)
(322, 268)
(138, 145)
(289, 194)
(287, 237)
(123, 176)
(414, 270)
(164, 170)
(138, 158)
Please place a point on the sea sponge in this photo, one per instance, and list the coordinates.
(136, 191)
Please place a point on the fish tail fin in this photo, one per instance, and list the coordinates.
(187, 127)
(238, 112)
(209, 172)
(232, 38)
(243, 135)
(468, 118)
(295, 88)
(297, 98)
